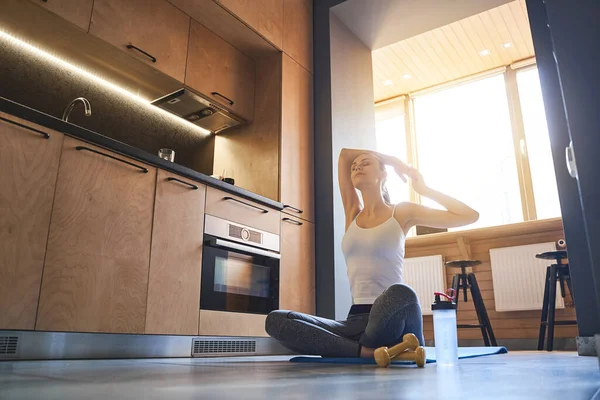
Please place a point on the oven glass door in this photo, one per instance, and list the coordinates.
(238, 281)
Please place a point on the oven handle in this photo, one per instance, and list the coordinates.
(248, 249)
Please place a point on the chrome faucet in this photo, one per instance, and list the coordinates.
(69, 108)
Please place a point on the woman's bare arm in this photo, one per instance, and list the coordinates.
(350, 198)
(457, 213)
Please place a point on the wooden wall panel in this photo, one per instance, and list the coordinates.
(506, 325)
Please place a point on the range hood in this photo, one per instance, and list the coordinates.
(198, 110)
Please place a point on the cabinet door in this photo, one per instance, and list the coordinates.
(297, 270)
(155, 27)
(298, 31)
(264, 16)
(297, 141)
(96, 272)
(28, 168)
(77, 12)
(220, 71)
(176, 256)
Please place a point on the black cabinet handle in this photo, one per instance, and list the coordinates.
(292, 221)
(220, 95)
(79, 148)
(150, 56)
(297, 210)
(194, 187)
(44, 134)
(246, 204)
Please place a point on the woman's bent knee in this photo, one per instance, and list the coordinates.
(275, 321)
(402, 293)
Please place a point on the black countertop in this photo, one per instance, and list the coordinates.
(29, 114)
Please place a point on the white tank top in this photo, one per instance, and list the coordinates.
(374, 258)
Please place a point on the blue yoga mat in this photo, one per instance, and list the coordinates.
(463, 352)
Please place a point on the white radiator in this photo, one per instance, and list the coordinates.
(519, 277)
(425, 275)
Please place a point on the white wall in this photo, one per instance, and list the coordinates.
(353, 126)
(378, 23)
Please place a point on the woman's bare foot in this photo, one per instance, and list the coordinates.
(366, 352)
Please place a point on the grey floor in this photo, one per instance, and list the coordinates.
(517, 375)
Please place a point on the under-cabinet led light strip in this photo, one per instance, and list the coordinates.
(88, 75)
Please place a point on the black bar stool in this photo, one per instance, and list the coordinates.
(558, 272)
(464, 280)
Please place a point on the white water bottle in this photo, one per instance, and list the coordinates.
(444, 329)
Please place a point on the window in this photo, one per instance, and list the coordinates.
(539, 152)
(391, 140)
(465, 149)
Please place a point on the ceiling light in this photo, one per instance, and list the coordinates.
(507, 45)
(485, 52)
(407, 76)
(388, 82)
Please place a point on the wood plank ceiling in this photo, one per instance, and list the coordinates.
(485, 41)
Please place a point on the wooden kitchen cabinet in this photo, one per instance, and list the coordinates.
(298, 31)
(176, 256)
(297, 270)
(95, 276)
(77, 12)
(155, 27)
(238, 209)
(297, 141)
(28, 169)
(264, 16)
(223, 323)
(220, 71)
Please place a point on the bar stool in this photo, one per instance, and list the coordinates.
(464, 280)
(558, 272)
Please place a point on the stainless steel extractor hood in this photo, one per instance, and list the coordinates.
(198, 110)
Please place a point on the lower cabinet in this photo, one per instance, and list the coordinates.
(176, 256)
(297, 269)
(95, 276)
(29, 157)
(221, 323)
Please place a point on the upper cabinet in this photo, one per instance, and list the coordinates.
(297, 141)
(28, 168)
(264, 16)
(298, 31)
(220, 71)
(153, 30)
(77, 12)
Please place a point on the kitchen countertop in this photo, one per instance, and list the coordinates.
(48, 121)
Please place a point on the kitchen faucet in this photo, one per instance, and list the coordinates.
(71, 105)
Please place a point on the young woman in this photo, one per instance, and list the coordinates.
(384, 309)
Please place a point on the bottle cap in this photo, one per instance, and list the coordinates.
(438, 304)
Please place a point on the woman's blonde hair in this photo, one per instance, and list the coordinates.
(384, 190)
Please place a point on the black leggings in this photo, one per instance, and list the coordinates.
(395, 313)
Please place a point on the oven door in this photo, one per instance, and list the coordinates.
(238, 278)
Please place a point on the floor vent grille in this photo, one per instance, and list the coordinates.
(213, 347)
(9, 345)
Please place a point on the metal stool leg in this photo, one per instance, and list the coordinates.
(455, 286)
(551, 306)
(544, 318)
(482, 312)
(465, 284)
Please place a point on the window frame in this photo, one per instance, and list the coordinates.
(517, 129)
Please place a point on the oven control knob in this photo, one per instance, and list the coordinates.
(245, 234)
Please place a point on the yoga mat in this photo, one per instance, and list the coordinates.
(463, 352)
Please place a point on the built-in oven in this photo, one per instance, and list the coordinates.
(240, 268)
